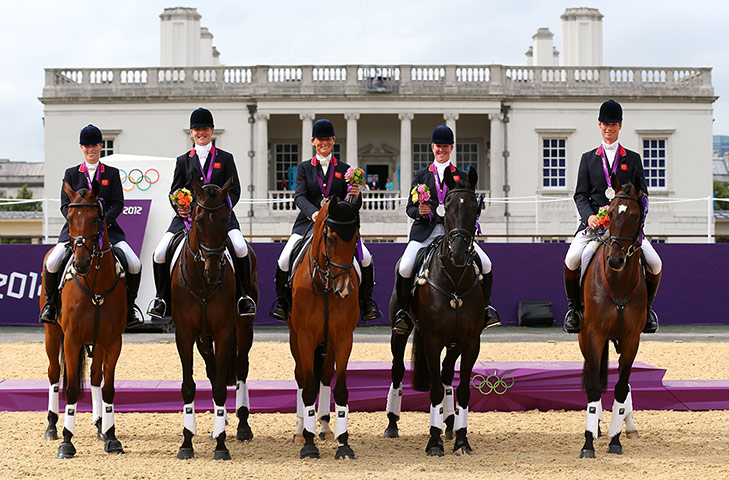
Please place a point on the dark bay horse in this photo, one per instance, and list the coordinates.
(93, 314)
(616, 302)
(447, 311)
(204, 313)
(325, 311)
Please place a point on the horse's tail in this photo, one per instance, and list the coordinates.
(421, 375)
(231, 377)
(79, 371)
(603, 370)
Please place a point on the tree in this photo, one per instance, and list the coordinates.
(24, 194)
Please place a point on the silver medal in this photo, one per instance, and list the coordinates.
(440, 210)
(610, 193)
(323, 201)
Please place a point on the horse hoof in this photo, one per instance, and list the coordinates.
(464, 450)
(435, 451)
(587, 453)
(392, 432)
(66, 450)
(298, 439)
(99, 434)
(633, 434)
(185, 453)
(222, 455)
(244, 434)
(113, 447)
(449, 434)
(344, 452)
(50, 434)
(615, 449)
(309, 450)
(326, 436)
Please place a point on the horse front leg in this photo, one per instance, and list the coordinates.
(111, 356)
(224, 345)
(398, 342)
(469, 351)
(593, 348)
(244, 340)
(325, 399)
(184, 349)
(73, 357)
(53, 340)
(434, 448)
(343, 349)
(620, 404)
(306, 379)
(449, 367)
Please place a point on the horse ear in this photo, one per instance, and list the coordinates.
(226, 187)
(333, 201)
(617, 186)
(637, 183)
(448, 178)
(472, 177)
(196, 187)
(70, 192)
(95, 188)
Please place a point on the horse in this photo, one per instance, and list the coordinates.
(615, 300)
(447, 310)
(324, 314)
(203, 292)
(93, 315)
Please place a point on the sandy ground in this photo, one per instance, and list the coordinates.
(686, 445)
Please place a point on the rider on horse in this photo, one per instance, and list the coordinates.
(317, 179)
(111, 197)
(594, 191)
(428, 226)
(208, 164)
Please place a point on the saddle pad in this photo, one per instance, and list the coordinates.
(587, 254)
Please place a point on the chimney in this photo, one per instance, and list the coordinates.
(582, 37)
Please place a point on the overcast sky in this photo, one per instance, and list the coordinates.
(36, 34)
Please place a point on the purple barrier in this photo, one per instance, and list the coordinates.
(692, 289)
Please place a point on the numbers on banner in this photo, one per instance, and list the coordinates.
(16, 285)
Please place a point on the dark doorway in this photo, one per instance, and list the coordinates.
(377, 176)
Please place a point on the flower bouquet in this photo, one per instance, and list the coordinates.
(603, 223)
(420, 193)
(182, 198)
(354, 176)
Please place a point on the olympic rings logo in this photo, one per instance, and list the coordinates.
(492, 383)
(135, 178)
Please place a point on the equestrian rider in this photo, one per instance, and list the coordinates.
(427, 228)
(209, 165)
(111, 197)
(317, 179)
(593, 191)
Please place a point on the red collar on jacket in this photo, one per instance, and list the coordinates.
(82, 167)
(599, 151)
(192, 152)
(315, 162)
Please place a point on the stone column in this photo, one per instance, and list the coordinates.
(496, 159)
(351, 158)
(450, 119)
(307, 120)
(406, 154)
(261, 166)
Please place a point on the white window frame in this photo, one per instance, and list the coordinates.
(275, 153)
(665, 137)
(110, 136)
(569, 171)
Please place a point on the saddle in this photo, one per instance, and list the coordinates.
(422, 261)
(297, 253)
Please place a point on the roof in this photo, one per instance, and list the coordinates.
(20, 169)
(20, 215)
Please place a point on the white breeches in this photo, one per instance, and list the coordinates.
(284, 260)
(53, 262)
(407, 261)
(574, 255)
(236, 237)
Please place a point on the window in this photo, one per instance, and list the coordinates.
(108, 147)
(422, 155)
(654, 162)
(554, 162)
(337, 152)
(286, 156)
(467, 155)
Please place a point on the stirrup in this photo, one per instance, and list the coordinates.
(373, 313)
(491, 320)
(135, 320)
(654, 317)
(51, 320)
(243, 306)
(278, 311)
(571, 329)
(402, 324)
(155, 305)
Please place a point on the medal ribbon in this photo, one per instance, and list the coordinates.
(325, 190)
(97, 176)
(209, 175)
(441, 192)
(605, 163)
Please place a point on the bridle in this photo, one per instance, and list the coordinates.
(325, 274)
(203, 251)
(80, 240)
(635, 241)
(468, 236)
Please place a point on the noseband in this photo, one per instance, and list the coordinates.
(635, 244)
(80, 240)
(203, 251)
(325, 274)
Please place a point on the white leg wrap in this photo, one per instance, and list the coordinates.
(96, 401)
(448, 402)
(189, 417)
(616, 419)
(340, 425)
(594, 412)
(394, 400)
(299, 412)
(325, 399)
(107, 416)
(53, 398)
(436, 416)
(219, 420)
(310, 418)
(629, 424)
(241, 395)
(461, 420)
(69, 419)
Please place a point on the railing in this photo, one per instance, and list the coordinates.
(367, 79)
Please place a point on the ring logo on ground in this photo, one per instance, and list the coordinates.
(136, 178)
(492, 383)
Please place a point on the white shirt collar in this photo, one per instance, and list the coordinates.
(202, 152)
(611, 151)
(91, 168)
(440, 167)
(324, 161)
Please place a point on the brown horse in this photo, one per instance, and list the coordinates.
(325, 311)
(615, 302)
(204, 313)
(448, 313)
(93, 314)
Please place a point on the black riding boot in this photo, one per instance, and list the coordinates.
(158, 305)
(245, 305)
(367, 306)
(651, 283)
(402, 323)
(48, 314)
(491, 316)
(283, 296)
(133, 280)
(572, 288)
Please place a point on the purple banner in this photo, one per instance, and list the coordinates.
(692, 290)
(133, 220)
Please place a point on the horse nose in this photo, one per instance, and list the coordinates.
(343, 287)
(616, 263)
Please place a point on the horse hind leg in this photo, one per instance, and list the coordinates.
(341, 399)
(470, 351)
(96, 395)
(53, 339)
(449, 364)
(398, 342)
(323, 414)
(244, 334)
(184, 349)
(111, 355)
(631, 431)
